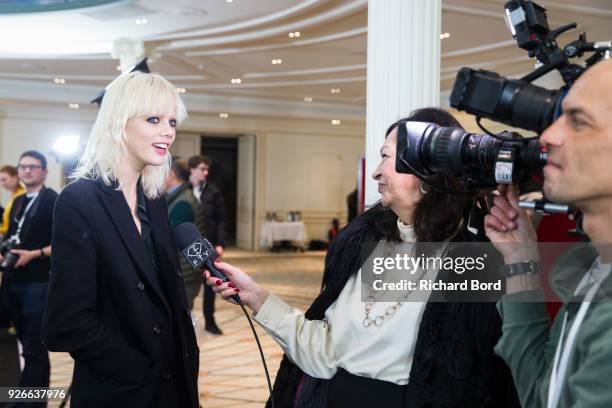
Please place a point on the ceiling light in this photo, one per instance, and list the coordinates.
(236, 81)
(229, 1)
(335, 90)
(73, 105)
(307, 99)
(118, 67)
(66, 145)
(277, 61)
(181, 90)
(60, 81)
(294, 34)
(141, 21)
(444, 35)
(335, 122)
(224, 115)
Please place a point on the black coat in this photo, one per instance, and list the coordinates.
(213, 211)
(107, 307)
(454, 364)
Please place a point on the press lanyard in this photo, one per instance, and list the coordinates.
(564, 348)
(25, 212)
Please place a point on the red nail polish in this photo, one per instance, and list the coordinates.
(218, 282)
(236, 290)
(231, 284)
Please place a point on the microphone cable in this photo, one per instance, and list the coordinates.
(263, 359)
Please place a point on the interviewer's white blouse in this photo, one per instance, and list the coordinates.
(320, 347)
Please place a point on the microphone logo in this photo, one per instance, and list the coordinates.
(199, 252)
(196, 253)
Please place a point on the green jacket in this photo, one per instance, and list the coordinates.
(184, 207)
(529, 342)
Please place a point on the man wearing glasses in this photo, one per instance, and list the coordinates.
(26, 276)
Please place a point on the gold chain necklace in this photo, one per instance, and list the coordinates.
(391, 310)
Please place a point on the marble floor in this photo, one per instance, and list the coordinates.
(231, 372)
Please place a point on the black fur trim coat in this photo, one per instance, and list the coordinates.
(454, 364)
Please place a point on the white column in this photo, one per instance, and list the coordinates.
(403, 69)
(128, 52)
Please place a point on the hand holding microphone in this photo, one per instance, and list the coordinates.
(225, 279)
(251, 294)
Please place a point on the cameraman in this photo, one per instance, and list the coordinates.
(570, 362)
(25, 281)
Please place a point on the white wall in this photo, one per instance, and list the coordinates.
(24, 129)
(312, 174)
(300, 165)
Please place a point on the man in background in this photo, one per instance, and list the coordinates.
(183, 207)
(30, 225)
(212, 226)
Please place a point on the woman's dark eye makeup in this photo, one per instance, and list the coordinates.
(155, 120)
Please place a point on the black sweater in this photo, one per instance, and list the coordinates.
(35, 234)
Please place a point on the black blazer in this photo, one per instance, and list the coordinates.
(106, 306)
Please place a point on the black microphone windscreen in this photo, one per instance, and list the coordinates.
(185, 234)
(196, 249)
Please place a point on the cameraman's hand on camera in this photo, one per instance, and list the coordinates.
(25, 256)
(251, 294)
(509, 227)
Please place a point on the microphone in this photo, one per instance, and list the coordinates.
(198, 251)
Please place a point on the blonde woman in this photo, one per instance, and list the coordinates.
(116, 298)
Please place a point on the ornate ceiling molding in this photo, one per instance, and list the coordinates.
(275, 84)
(327, 16)
(298, 43)
(243, 25)
(313, 71)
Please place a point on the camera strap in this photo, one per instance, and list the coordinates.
(23, 217)
(564, 348)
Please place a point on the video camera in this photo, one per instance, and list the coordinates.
(483, 161)
(517, 102)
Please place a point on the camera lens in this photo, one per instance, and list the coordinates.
(510, 101)
(429, 149)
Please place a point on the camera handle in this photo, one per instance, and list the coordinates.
(543, 206)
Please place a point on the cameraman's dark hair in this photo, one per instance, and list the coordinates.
(437, 215)
(36, 155)
(195, 161)
(179, 168)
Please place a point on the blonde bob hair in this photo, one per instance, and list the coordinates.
(131, 95)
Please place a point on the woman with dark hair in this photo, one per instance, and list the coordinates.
(344, 352)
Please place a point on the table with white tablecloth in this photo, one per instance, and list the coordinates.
(274, 231)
